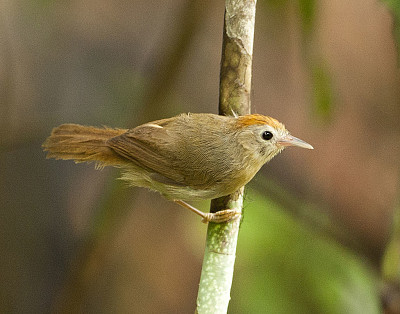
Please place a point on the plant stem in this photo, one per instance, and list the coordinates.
(235, 87)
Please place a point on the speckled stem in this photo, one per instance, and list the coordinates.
(235, 85)
(237, 56)
(219, 258)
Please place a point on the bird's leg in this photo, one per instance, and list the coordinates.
(218, 217)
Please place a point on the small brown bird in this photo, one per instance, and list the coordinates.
(187, 157)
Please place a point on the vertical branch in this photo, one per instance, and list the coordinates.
(235, 87)
(237, 56)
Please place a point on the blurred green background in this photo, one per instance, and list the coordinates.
(316, 223)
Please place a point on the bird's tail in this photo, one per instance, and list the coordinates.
(83, 144)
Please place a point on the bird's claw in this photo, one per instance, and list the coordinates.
(221, 216)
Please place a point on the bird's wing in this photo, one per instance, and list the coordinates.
(151, 146)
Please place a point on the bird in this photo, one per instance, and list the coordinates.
(192, 156)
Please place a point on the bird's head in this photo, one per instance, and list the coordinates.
(263, 137)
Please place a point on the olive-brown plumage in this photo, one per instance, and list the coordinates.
(187, 157)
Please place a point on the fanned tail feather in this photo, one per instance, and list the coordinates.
(83, 144)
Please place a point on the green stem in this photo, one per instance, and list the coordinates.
(219, 259)
(235, 87)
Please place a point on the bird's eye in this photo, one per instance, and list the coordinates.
(267, 135)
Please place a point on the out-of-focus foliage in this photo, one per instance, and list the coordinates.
(322, 92)
(318, 70)
(307, 14)
(394, 5)
(306, 10)
(391, 260)
(322, 89)
(283, 266)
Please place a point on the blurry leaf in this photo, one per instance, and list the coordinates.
(322, 92)
(307, 13)
(284, 266)
(394, 5)
(306, 7)
(391, 259)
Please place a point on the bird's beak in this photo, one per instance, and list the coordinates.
(289, 140)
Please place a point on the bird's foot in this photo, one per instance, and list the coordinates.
(221, 216)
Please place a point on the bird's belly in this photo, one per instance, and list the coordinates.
(225, 185)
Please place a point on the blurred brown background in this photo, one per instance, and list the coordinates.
(73, 237)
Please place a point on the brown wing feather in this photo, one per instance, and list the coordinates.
(149, 146)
